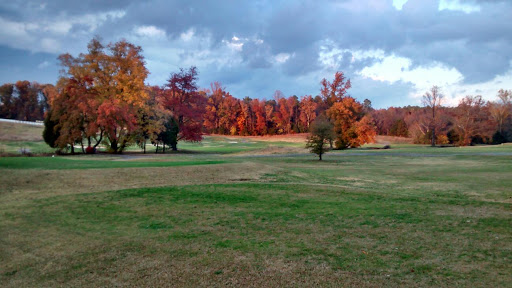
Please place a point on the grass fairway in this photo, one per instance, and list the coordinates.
(411, 216)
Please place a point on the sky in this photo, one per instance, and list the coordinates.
(393, 51)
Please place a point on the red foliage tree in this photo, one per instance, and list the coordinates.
(261, 122)
(181, 98)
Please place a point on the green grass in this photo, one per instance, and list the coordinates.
(411, 216)
(15, 147)
(363, 233)
(52, 163)
(223, 145)
(209, 145)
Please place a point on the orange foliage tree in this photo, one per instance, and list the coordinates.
(351, 127)
(101, 92)
(307, 112)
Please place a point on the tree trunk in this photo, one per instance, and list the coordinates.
(433, 137)
(113, 146)
(99, 141)
(320, 156)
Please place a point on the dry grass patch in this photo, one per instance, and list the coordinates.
(20, 132)
(273, 150)
(292, 138)
(383, 139)
(26, 184)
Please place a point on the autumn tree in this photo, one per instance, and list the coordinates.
(392, 121)
(243, 118)
(365, 131)
(180, 96)
(500, 112)
(399, 128)
(7, 102)
(307, 111)
(469, 118)
(259, 112)
(104, 91)
(433, 100)
(269, 113)
(321, 134)
(151, 119)
(336, 90)
(283, 116)
(67, 114)
(346, 116)
(211, 116)
(367, 106)
(228, 115)
(24, 100)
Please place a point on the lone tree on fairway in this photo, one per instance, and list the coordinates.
(321, 133)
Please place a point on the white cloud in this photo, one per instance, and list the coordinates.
(46, 35)
(50, 45)
(398, 4)
(393, 69)
(61, 27)
(282, 57)
(43, 64)
(149, 31)
(187, 36)
(456, 5)
(235, 44)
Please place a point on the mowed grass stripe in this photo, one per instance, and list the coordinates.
(53, 163)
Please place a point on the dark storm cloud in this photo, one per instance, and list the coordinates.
(222, 19)
(302, 62)
(31, 9)
(256, 55)
(477, 44)
(295, 27)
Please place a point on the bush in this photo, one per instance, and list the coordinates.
(498, 138)
(90, 150)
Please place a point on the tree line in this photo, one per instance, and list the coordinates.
(24, 100)
(472, 121)
(101, 98)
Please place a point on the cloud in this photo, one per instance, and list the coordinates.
(46, 34)
(457, 5)
(149, 31)
(43, 65)
(265, 45)
(398, 4)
